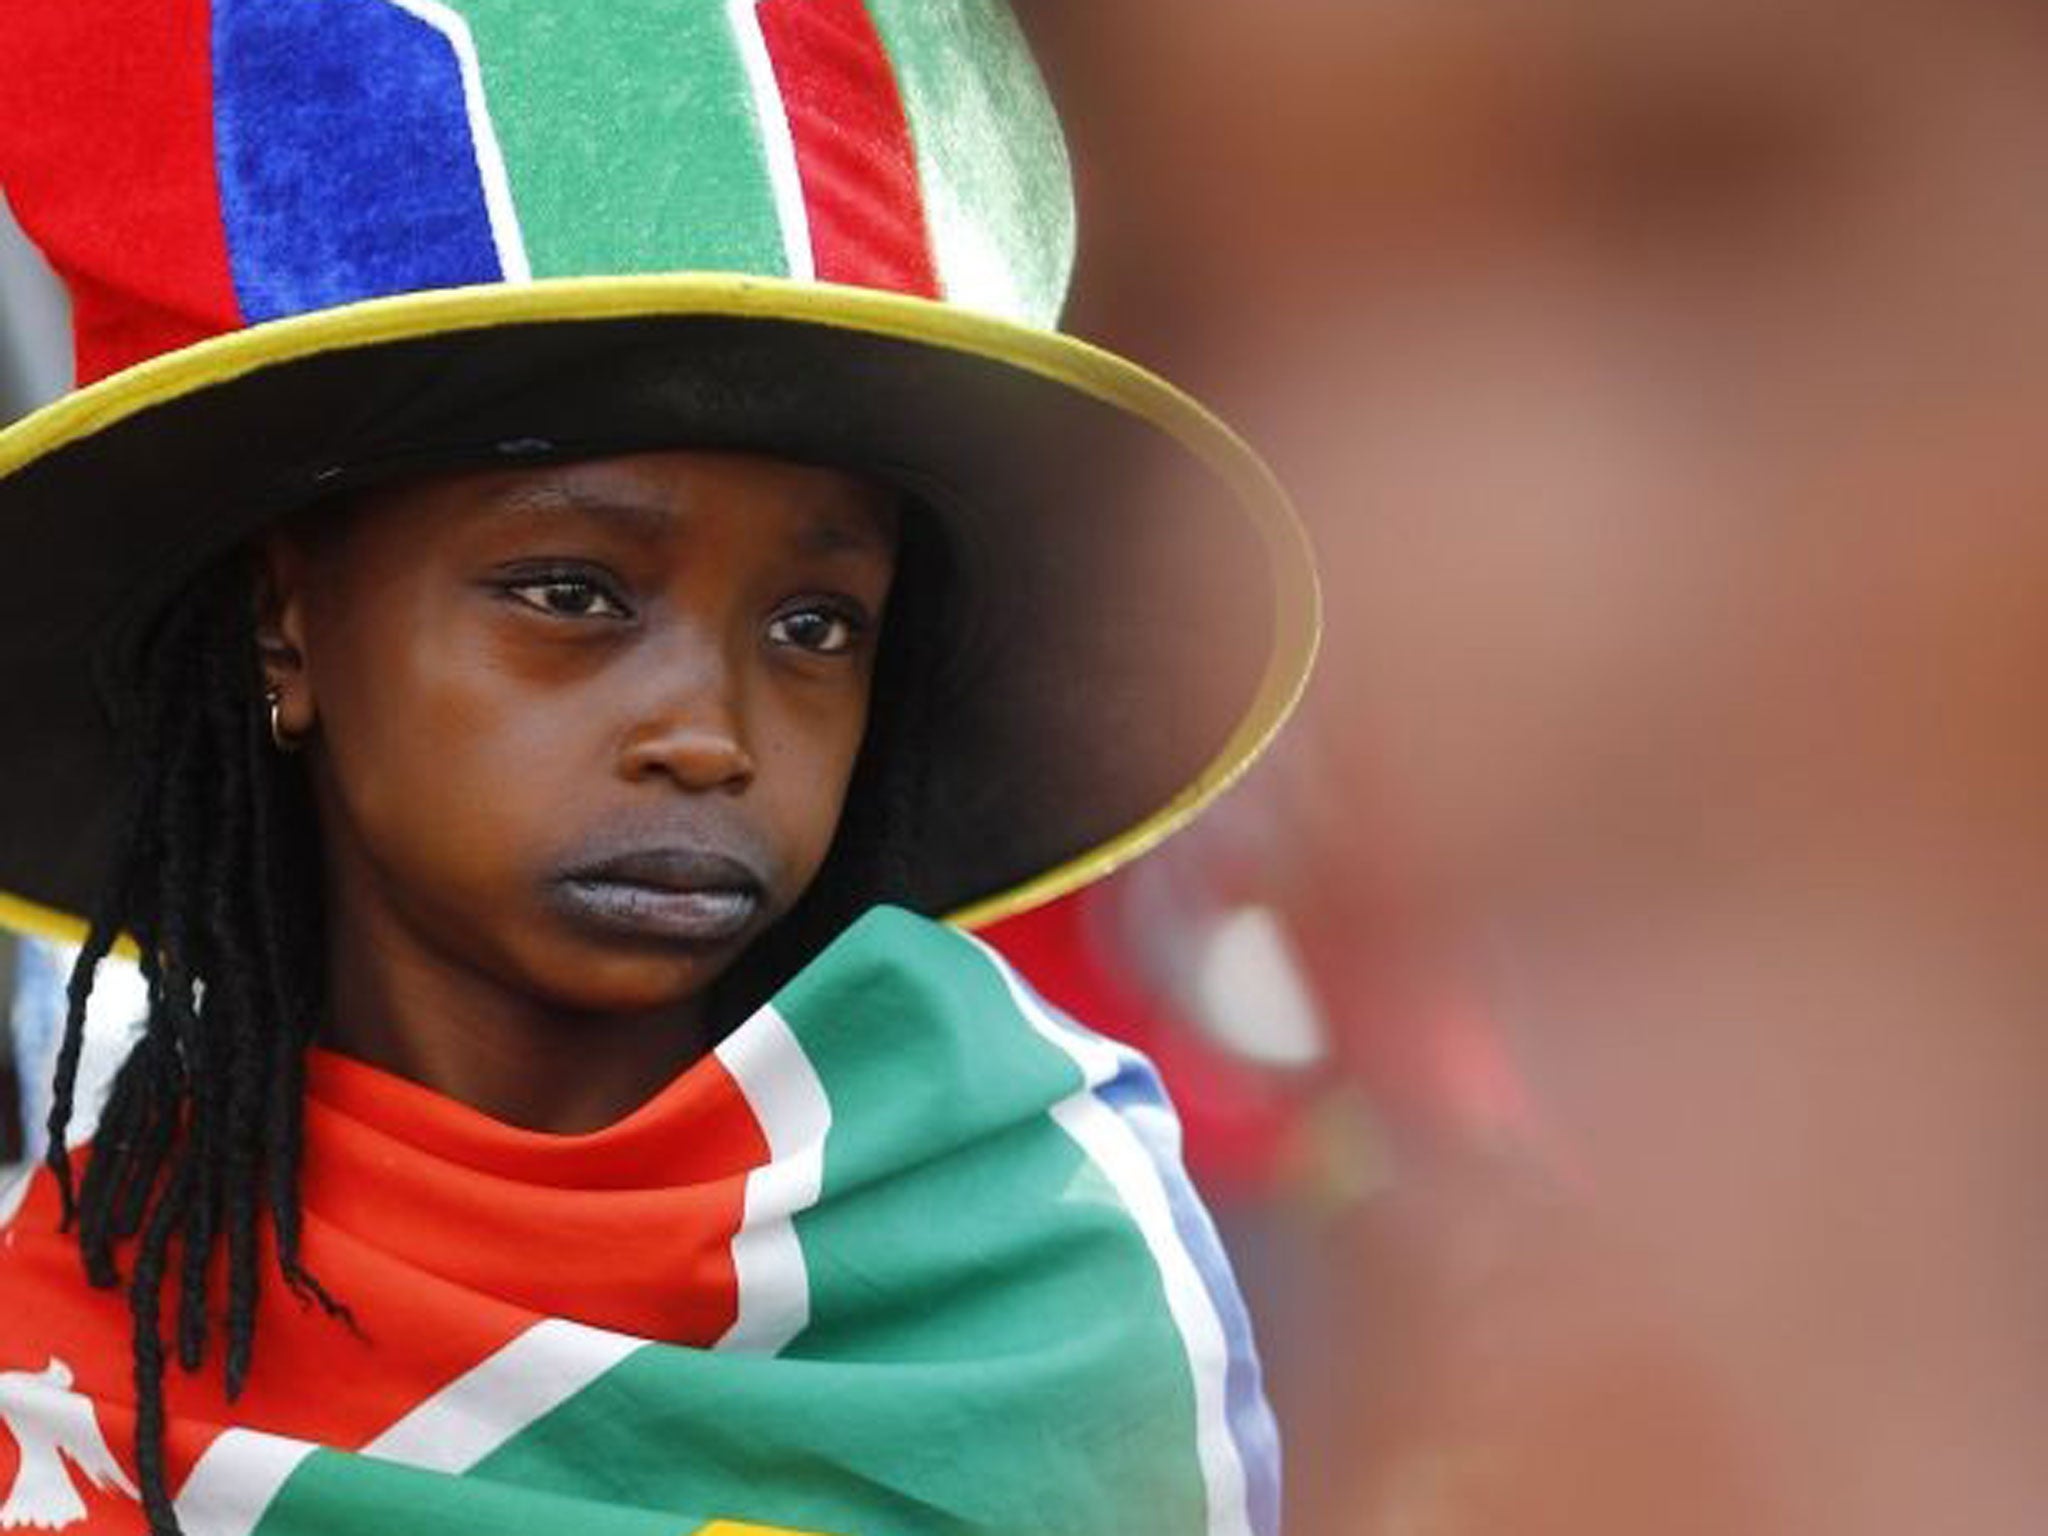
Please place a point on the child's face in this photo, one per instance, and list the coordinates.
(581, 732)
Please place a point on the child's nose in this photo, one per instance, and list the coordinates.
(696, 738)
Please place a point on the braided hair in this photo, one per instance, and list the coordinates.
(216, 880)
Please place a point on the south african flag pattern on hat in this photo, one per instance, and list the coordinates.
(284, 156)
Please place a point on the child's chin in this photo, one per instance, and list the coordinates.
(642, 980)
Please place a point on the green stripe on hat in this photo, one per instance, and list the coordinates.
(999, 191)
(608, 175)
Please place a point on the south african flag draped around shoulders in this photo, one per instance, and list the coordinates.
(909, 1253)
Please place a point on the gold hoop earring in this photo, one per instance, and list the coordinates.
(286, 744)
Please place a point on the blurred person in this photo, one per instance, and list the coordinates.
(1668, 382)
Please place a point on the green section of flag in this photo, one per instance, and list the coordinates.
(609, 174)
(998, 189)
(331, 1493)
(1008, 1267)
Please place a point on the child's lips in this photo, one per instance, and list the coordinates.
(676, 895)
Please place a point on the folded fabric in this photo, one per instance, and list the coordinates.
(909, 1253)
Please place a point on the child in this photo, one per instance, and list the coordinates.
(579, 513)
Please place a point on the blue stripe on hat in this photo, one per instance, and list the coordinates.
(346, 165)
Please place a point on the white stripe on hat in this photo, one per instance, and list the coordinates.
(506, 234)
(778, 144)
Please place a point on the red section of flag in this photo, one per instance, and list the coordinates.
(853, 146)
(106, 149)
(629, 1228)
(447, 1235)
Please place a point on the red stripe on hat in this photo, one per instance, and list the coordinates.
(106, 154)
(853, 146)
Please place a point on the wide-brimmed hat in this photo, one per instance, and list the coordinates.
(312, 244)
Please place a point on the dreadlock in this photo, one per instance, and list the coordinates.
(216, 881)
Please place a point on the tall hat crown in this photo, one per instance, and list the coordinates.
(225, 162)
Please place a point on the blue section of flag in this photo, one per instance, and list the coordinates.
(346, 164)
(1136, 1094)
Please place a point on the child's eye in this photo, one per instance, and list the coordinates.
(569, 597)
(823, 631)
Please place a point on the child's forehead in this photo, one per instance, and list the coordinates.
(669, 493)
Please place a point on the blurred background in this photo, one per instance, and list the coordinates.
(1610, 1027)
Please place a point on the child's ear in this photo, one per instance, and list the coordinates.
(282, 565)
